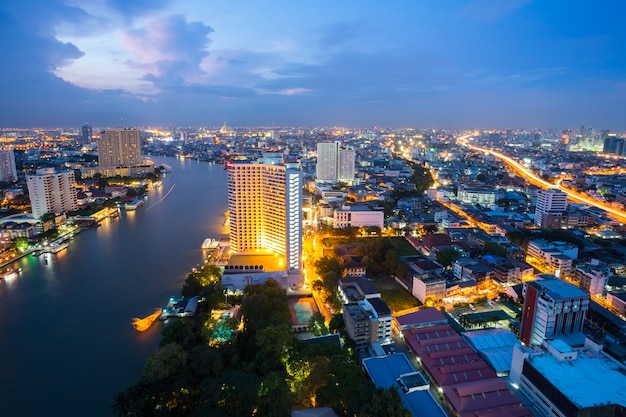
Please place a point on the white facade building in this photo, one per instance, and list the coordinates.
(8, 172)
(334, 164)
(551, 204)
(358, 216)
(553, 257)
(51, 192)
(479, 195)
(327, 156)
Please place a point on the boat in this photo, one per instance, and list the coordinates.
(56, 247)
(143, 324)
(210, 243)
(134, 204)
(10, 273)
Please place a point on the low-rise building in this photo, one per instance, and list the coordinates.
(552, 257)
(361, 215)
(368, 321)
(570, 382)
(593, 276)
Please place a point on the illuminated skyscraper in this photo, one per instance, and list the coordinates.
(51, 192)
(265, 206)
(7, 165)
(119, 148)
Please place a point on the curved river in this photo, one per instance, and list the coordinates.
(67, 346)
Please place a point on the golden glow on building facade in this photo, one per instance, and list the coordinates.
(265, 206)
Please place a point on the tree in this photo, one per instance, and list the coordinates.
(336, 323)
(164, 363)
(317, 324)
(385, 403)
(447, 256)
(495, 249)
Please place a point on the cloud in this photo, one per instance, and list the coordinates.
(136, 8)
(169, 49)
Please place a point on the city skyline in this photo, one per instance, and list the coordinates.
(472, 64)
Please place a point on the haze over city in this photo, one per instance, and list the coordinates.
(445, 64)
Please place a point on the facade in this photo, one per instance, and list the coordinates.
(368, 321)
(358, 216)
(333, 163)
(327, 155)
(570, 382)
(51, 192)
(592, 276)
(8, 173)
(119, 148)
(552, 307)
(480, 195)
(346, 165)
(86, 132)
(551, 204)
(430, 287)
(553, 257)
(265, 207)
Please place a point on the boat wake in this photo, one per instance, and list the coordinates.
(162, 198)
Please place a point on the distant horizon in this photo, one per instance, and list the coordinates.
(450, 64)
(573, 130)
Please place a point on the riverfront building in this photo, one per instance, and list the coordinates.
(8, 173)
(119, 148)
(51, 192)
(552, 308)
(265, 207)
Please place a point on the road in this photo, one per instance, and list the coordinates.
(540, 182)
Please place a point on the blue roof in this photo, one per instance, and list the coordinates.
(384, 372)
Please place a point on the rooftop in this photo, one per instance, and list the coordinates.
(592, 379)
(558, 289)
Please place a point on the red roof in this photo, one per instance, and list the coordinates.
(424, 316)
(474, 398)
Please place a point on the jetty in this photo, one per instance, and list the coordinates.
(144, 324)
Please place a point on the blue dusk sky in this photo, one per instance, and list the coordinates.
(420, 63)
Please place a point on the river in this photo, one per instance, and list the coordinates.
(66, 343)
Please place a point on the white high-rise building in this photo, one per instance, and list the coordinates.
(51, 192)
(327, 155)
(265, 206)
(8, 172)
(333, 163)
(119, 148)
(345, 169)
(551, 204)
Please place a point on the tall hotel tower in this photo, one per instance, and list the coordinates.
(119, 148)
(265, 206)
(51, 192)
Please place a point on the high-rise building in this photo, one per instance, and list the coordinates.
(552, 307)
(119, 148)
(551, 204)
(8, 172)
(333, 163)
(86, 132)
(345, 168)
(327, 154)
(51, 192)
(265, 207)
